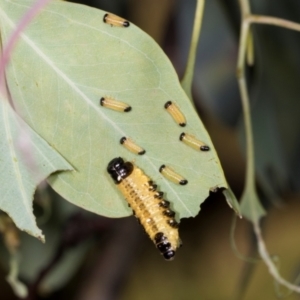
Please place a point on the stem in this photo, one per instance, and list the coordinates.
(246, 108)
(268, 261)
(187, 79)
(272, 21)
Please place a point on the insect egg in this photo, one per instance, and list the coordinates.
(114, 20)
(176, 113)
(131, 146)
(193, 142)
(153, 213)
(172, 175)
(114, 104)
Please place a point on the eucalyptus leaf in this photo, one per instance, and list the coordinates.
(23, 169)
(251, 208)
(64, 62)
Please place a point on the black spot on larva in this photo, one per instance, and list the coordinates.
(142, 152)
(159, 195)
(164, 204)
(164, 246)
(102, 99)
(159, 237)
(153, 187)
(169, 255)
(169, 213)
(173, 223)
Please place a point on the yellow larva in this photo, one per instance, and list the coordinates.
(176, 113)
(147, 204)
(172, 175)
(114, 104)
(131, 146)
(193, 142)
(114, 20)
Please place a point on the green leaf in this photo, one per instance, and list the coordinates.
(232, 201)
(19, 288)
(25, 160)
(68, 264)
(65, 61)
(251, 207)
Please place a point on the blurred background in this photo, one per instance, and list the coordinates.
(88, 257)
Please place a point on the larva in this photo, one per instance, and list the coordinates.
(114, 20)
(193, 142)
(131, 146)
(176, 113)
(114, 104)
(172, 175)
(147, 204)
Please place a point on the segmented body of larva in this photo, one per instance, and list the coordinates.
(193, 142)
(131, 146)
(176, 113)
(171, 175)
(114, 20)
(114, 104)
(148, 206)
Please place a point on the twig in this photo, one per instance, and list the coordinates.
(187, 79)
(250, 190)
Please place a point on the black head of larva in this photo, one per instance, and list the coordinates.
(167, 104)
(118, 169)
(161, 168)
(181, 136)
(104, 18)
(122, 140)
(102, 101)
